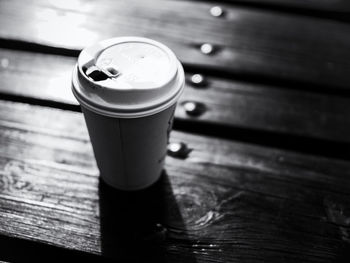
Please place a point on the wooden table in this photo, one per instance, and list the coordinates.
(268, 175)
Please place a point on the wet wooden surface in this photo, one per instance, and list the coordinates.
(268, 175)
(226, 196)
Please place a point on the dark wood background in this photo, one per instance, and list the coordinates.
(268, 175)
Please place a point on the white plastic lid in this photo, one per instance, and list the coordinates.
(127, 77)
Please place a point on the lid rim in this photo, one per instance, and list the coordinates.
(138, 113)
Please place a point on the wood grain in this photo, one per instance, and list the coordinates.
(250, 42)
(227, 202)
(324, 6)
(231, 103)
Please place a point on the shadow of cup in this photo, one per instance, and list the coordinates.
(139, 225)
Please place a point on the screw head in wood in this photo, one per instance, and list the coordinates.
(193, 108)
(175, 147)
(178, 150)
(207, 49)
(198, 80)
(216, 11)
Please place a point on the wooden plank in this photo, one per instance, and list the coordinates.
(230, 103)
(251, 43)
(226, 202)
(326, 6)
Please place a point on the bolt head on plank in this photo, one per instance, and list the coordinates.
(194, 109)
(216, 11)
(198, 80)
(207, 49)
(178, 150)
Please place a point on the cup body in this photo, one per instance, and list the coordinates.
(130, 153)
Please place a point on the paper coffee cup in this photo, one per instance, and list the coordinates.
(128, 88)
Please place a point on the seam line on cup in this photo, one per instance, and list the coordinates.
(123, 175)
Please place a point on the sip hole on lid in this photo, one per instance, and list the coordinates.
(95, 73)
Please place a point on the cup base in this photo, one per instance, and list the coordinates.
(131, 188)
